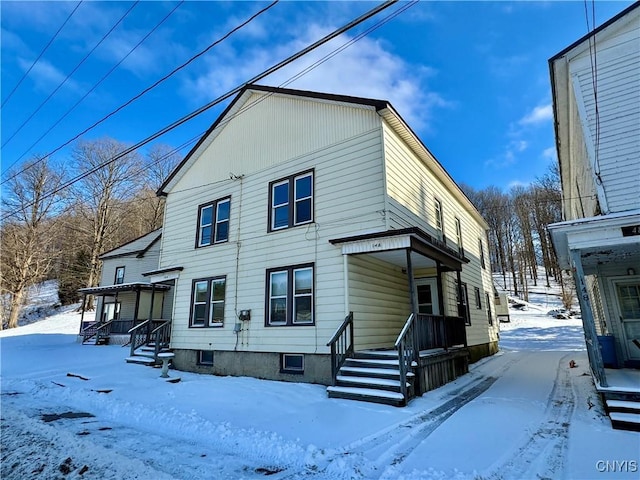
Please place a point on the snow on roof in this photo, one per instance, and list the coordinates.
(137, 246)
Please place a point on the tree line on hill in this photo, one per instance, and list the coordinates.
(519, 241)
(58, 218)
(55, 229)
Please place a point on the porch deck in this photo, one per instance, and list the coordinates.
(621, 380)
(621, 397)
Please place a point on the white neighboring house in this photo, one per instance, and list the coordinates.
(313, 237)
(596, 100)
(125, 298)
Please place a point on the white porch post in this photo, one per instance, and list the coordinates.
(588, 322)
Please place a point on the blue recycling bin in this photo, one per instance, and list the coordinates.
(608, 350)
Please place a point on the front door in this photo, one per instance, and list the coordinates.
(427, 294)
(628, 295)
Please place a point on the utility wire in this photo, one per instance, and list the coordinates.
(95, 86)
(155, 84)
(223, 97)
(41, 53)
(71, 73)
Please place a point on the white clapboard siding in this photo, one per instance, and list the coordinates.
(349, 196)
(617, 143)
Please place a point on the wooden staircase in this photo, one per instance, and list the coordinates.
(372, 376)
(146, 355)
(624, 411)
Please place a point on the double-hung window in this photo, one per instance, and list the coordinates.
(459, 236)
(463, 303)
(119, 279)
(213, 222)
(291, 201)
(489, 314)
(481, 248)
(207, 302)
(290, 296)
(437, 204)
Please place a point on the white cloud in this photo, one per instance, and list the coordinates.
(365, 69)
(46, 76)
(538, 115)
(550, 154)
(509, 156)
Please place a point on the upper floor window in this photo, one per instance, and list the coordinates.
(291, 201)
(489, 314)
(481, 248)
(290, 296)
(478, 298)
(207, 302)
(459, 236)
(463, 303)
(438, 214)
(213, 222)
(119, 276)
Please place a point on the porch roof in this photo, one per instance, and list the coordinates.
(413, 238)
(609, 238)
(123, 287)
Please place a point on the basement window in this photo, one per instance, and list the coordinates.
(205, 357)
(292, 363)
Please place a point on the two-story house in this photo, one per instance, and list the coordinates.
(596, 101)
(314, 238)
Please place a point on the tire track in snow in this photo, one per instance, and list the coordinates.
(391, 446)
(543, 455)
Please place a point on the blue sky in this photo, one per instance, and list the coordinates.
(471, 78)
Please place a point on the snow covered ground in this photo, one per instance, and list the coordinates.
(80, 412)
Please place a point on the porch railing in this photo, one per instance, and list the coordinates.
(139, 336)
(150, 331)
(341, 346)
(407, 353)
(436, 331)
(161, 336)
(96, 329)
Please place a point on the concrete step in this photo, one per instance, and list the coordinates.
(367, 395)
(625, 421)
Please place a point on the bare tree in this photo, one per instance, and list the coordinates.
(146, 210)
(28, 231)
(101, 195)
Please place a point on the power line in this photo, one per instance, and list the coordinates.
(223, 97)
(71, 73)
(41, 53)
(96, 85)
(155, 84)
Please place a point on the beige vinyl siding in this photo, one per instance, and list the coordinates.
(272, 128)
(618, 119)
(412, 188)
(379, 300)
(348, 198)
